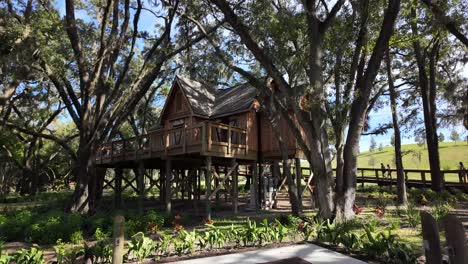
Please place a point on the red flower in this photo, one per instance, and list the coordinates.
(209, 221)
(379, 212)
(301, 226)
(357, 210)
(178, 228)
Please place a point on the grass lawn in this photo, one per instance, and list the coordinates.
(451, 153)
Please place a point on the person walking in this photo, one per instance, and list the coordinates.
(389, 171)
(382, 167)
(462, 173)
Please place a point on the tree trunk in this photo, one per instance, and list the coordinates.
(429, 109)
(401, 184)
(292, 190)
(358, 113)
(84, 170)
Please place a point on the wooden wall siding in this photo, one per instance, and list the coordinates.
(171, 112)
(270, 145)
(252, 130)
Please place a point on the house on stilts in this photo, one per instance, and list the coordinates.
(202, 132)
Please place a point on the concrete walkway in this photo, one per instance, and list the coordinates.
(308, 252)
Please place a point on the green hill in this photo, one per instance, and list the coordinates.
(451, 153)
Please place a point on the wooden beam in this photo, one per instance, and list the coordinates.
(297, 162)
(118, 188)
(223, 180)
(208, 187)
(167, 186)
(235, 192)
(141, 186)
(254, 188)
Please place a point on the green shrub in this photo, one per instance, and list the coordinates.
(251, 234)
(289, 220)
(13, 228)
(29, 256)
(384, 246)
(154, 217)
(99, 234)
(280, 232)
(76, 237)
(440, 210)
(412, 216)
(55, 225)
(164, 244)
(140, 246)
(101, 220)
(101, 252)
(185, 242)
(67, 254)
(214, 236)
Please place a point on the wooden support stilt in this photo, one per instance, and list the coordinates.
(208, 187)
(162, 185)
(189, 184)
(216, 184)
(183, 184)
(118, 187)
(235, 192)
(254, 190)
(299, 182)
(141, 185)
(199, 185)
(168, 185)
(225, 193)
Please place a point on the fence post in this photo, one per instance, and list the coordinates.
(119, 240)
(377, 176)
(362, 176)
(423, 178)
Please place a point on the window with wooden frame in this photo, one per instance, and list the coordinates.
(176, 135)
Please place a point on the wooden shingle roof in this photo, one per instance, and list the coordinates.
(210, 102)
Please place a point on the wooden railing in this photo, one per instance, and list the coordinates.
(413, 177)
(206, 138)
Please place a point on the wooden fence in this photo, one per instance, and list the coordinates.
(414, 177)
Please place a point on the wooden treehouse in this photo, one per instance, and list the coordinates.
(203, 132)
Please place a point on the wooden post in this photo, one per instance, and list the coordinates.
(204, 140)
(377, 176)
(208, 187)
(254, 188)
(229, 140)
(362, 176)
(423, 178)
(431, 239)
(216, 184)
(199, 185)
(455, 237)
(167, 186)
(234, 187)
(183, 183)
(162, 186)
(298, 182)
(208, 134)
(118, 188)
(119, 240)
(140, 185)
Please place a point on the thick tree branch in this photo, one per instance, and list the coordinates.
(445, 20)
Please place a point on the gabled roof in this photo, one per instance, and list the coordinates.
(201, 97)
(209, 102)
(234, 100)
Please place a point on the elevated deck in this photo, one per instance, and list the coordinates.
(204, 139)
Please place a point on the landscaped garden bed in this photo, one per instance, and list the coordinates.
(381, 232)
